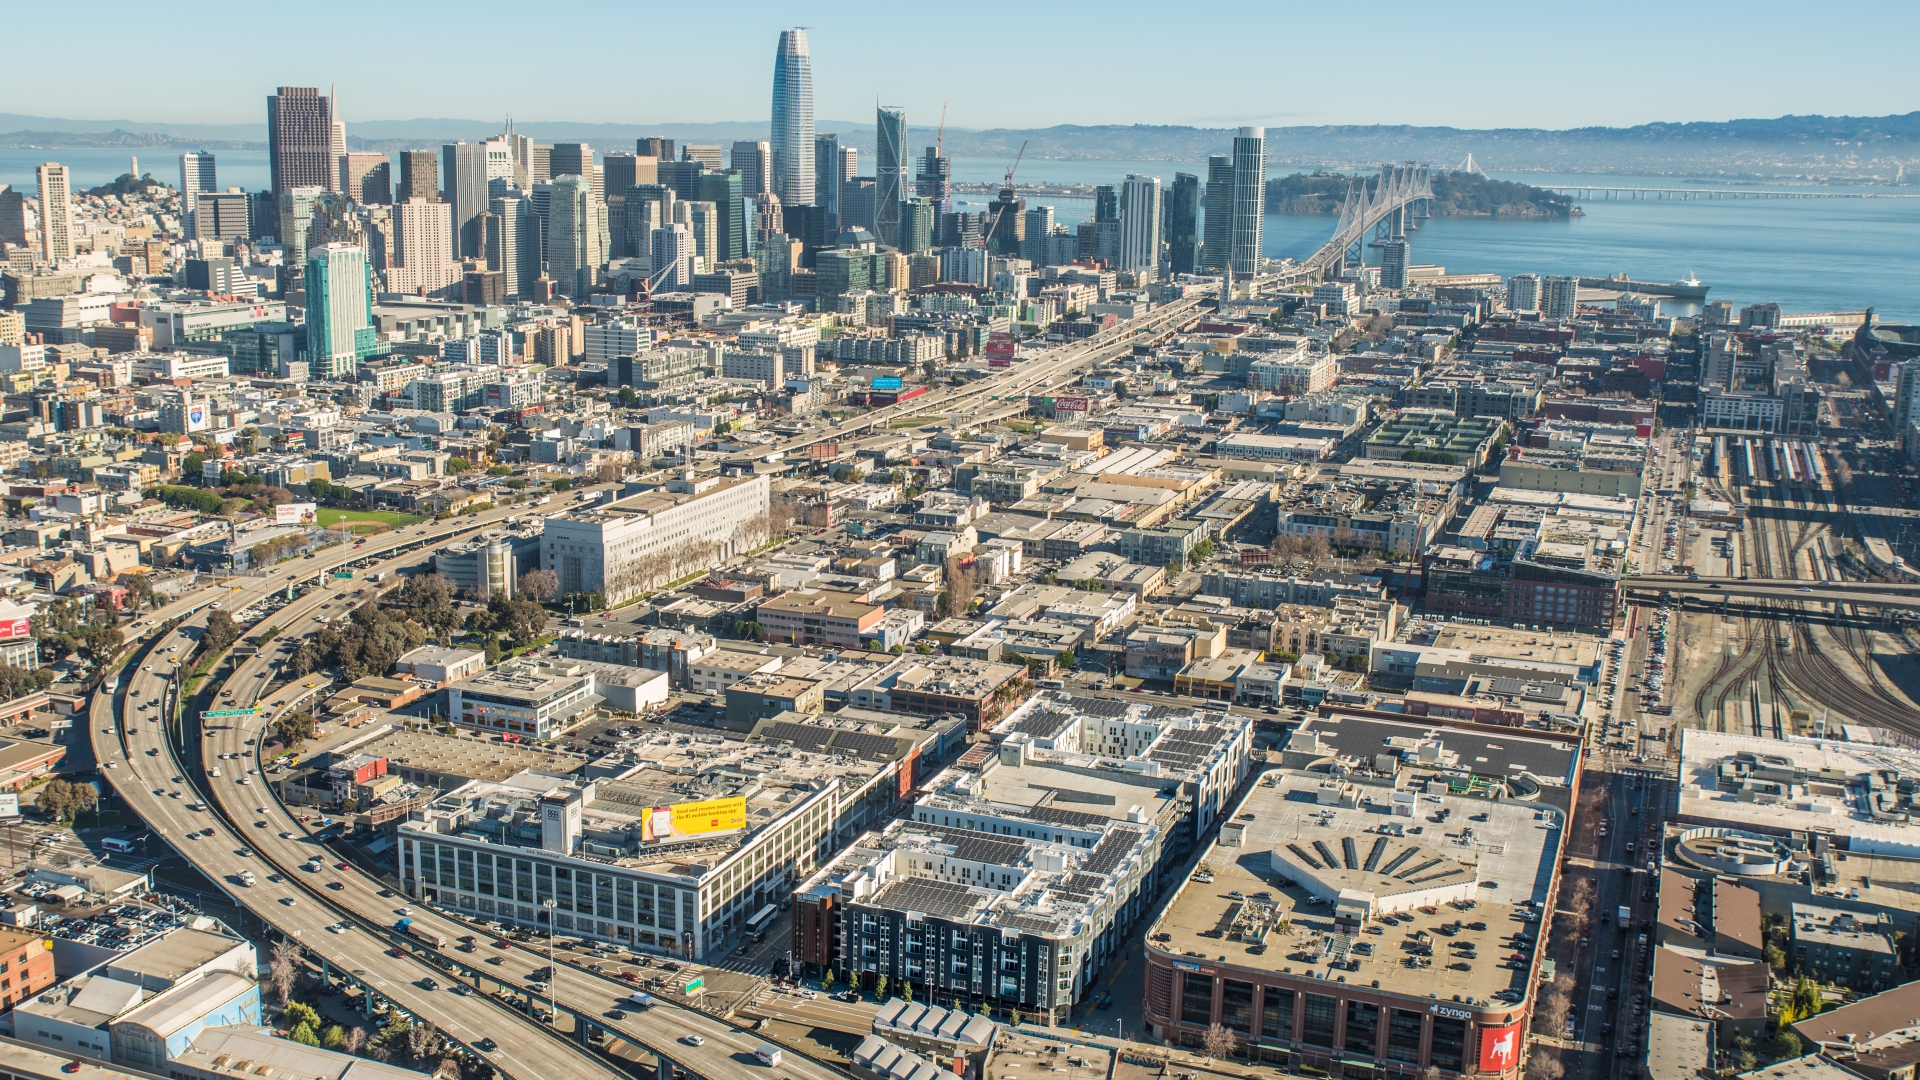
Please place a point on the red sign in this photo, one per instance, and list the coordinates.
(1499, 1048)
(1070, 404)
(20, 627)
(999, 361)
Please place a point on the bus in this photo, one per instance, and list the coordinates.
(119, 844)
(757, 926)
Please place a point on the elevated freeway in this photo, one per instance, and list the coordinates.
(131, 732)
(254, 831)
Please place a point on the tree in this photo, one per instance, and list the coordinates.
(906, 991)
(191, 464)
(293, 729)
(1218, 1042)
(299, 1012)
(1786, 1044)
(563, 484)
(283, 969)
(303, 1033)
(458, 465)
(628, 397)
(421, 1041)
(493, 650)
(880, 988)
(319, 487)
(333, 1037)
(826, 979)
(355, 1041)
(541, 585)
(1545, 1064)
(101, 643)
(221, 632)
(1776, 959)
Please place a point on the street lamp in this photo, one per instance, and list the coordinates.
(553, 983)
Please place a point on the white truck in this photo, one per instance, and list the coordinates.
(1626, 916)
(640, 999)
(247, 878)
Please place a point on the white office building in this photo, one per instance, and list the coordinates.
(1140, 223)
(624, 548)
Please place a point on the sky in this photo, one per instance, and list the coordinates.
(1209, 64)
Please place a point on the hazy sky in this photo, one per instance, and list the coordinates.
(1207, 63)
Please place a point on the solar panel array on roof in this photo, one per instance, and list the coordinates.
(943, 899)
(1167, 712)
(1106, 708)
(1081, 887)
(1035, 924)
(1112, 849)
(1506, 687)
(1186, 748)
(1043, 723)
(980, 847)
(799, 736)
(868, 747)
(1070, 818)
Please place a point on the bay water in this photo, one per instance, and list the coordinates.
(1805, 254)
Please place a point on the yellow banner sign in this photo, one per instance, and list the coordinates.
(695, 818)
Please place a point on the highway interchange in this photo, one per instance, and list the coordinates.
(233, 822)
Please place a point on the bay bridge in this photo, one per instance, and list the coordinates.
(1593, 192)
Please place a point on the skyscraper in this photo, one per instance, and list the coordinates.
(339, 310)
(576, 223)
(792, 142)
(1523, 292)
(916, 225)
(421, 257)
(1218, 237)
(832, 166)
(890, 172)
(56, 212)
(364, 178)
(654, 147)
(707, 154)
(754, 162)
(1039, 230)
(683, 177)
(196, 176)
(620, 174)
(13, 216)
(673, 247)
(1559, 297)
(1183, 225)
(935, 180)
(649, 206)
(300, 139)
(1140, 223)
(294, 218)
(702, 218)
(1393, 263)
(1249, 193)
(571, 159)
(725, 192)
(419, 176)
(513, 243)
(463, 180)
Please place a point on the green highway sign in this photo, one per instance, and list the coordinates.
(221, 713)
(343, 575)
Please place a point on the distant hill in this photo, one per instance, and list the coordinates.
(1456, 194)
(1839, 148)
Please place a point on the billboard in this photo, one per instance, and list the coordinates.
(197, 417)
(1499, 1048)
(295, 513)
(1070, 404)
(889, 383)
(682, 820)
(825, 451)
(19, 627)
(9, 804)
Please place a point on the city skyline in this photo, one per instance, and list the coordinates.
(1649, 77)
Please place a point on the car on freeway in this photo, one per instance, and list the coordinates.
(693, 1040)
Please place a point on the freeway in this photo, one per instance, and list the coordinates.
(1037, 372)
(155, 783)
(282, 840)
(1705, 581)
(1878, 595)
(275, 842)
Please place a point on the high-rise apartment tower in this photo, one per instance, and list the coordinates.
(792, 142)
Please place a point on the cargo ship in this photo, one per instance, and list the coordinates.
(1687, 288)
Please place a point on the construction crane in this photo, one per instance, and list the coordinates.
(940, 140)
(1005, 200)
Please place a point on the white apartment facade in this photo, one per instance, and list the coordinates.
(624, 548)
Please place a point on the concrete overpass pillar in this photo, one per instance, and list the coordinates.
(662, 1068)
